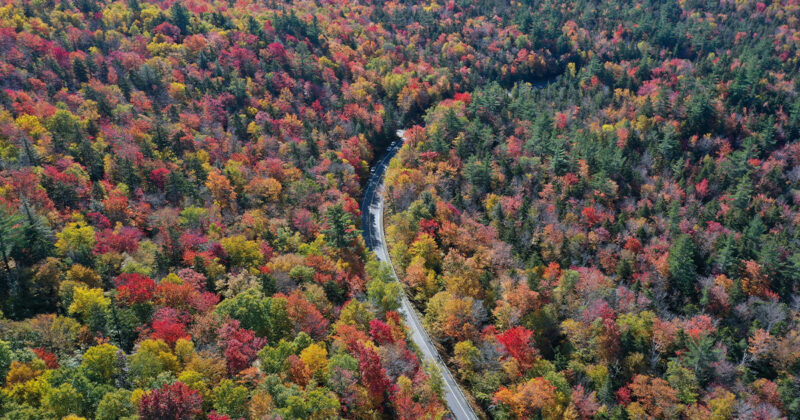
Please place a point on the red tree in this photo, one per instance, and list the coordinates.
(373, 374)
(134, 288)
(169, 325)
(240, 346)
(306, 317)
(517, 342)
(591, 215)
(381, 333)
(171, 402)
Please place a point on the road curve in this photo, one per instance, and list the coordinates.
(372, 227)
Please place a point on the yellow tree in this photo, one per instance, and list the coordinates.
(86, 302)
(315, 357)
(100, 363)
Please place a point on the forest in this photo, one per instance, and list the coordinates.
(594, 209)
(621, 242)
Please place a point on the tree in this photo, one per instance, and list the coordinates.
(231, 399)
(169, 325)
(151, 358)
(174, 401)
(65, 129)
(534, 398)
(700, 115)
(467, 357)
(221, 190)
(37, 237)
(134, 288)
(654, 397)
(180, 17)
(315, 404)
(381, 332)
(340, 232)
(100, 363)
(10, 236)
(518, 342)
(305, 316)
(6, 357)
(682, 269)
(355, 313)
(62, 400)
(373, 373)
(115, 405)
(240, 346)
(684, 380)
(315, 357)
(266, 316)
(241, 252)
(385, 296)
(88, 303)
(85, 275)
(76, 241)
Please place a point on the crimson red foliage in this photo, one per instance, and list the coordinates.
(169, 325)
(463, 97)
(159, 177)
(373, 374)
(134, 288)
(517, 342)
(240, 346)
(381, 333)
(171, 402)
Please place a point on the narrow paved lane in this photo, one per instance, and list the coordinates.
(372, 225)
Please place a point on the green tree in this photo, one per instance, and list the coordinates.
(385, 296)
(684, 380)
(340, 232)
(669, 146)
(6, 357)
(10, 236)
(682, 269)
(268, 317)
(179, 17)
(274, 358)
(100, 363)
(231, 399)
(115, 405)
(152, 358)
(316, 404)
(700, 115)
(37, 238)
(63, 400)
(700, 356)
(478, 173)
(65, 128)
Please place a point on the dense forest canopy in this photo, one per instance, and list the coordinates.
(595, 208)
(622, 242)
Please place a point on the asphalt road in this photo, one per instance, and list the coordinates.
(372, 225)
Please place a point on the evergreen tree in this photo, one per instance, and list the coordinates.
(682, 268)
(340, 232)
(179, 17)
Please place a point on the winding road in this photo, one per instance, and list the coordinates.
(372, 225)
